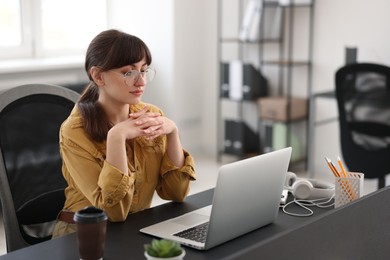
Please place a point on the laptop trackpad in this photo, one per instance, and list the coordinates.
(190, 219)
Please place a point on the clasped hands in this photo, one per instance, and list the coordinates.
(150, 124)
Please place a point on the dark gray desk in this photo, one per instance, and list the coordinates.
(360, 230)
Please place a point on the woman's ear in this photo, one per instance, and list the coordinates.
(96, 75)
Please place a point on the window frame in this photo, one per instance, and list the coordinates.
(25, 48)
(31, 46)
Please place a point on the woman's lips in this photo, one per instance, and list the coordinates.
(137, 92)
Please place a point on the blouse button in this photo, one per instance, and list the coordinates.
(109, 201)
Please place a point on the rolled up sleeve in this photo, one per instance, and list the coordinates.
(114, 185)
(175, 181)
(93, 181)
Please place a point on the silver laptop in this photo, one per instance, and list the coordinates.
(246, 197)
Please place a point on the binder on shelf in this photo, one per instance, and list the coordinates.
(268, 135)
(225, 80)
(236, 78)
(242, 81)
(240, 139)
(275, 138)
(272, 23)
(258, 18)
(255, 84)
(248, 20)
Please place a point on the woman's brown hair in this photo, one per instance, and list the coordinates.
(110, 49)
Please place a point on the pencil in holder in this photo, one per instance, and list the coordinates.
(348, 189)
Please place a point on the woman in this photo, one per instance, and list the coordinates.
(117, 150)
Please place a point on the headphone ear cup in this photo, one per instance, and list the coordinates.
(302, 189)
(290, 180)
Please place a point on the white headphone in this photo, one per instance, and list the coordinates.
(308, 188)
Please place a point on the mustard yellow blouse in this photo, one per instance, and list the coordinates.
(93, 181)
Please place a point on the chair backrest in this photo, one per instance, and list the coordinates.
(363, 97)
(31, 181)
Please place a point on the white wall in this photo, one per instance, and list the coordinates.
(152, 21)
(181, 36)
(195, 63)
(341, 23)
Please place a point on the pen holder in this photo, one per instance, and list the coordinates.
(348, 189)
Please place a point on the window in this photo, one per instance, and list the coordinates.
(48, 28)
(13, 29)
(10, 23)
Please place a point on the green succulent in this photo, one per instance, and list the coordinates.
(163, 248)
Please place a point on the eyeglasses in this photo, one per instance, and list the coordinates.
(132, 76)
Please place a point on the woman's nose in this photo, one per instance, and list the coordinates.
(141, 81)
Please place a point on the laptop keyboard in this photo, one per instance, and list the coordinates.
(197, 233)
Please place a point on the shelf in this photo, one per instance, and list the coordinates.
(238, 100)
(298, 5)
(286, 63)
(237, 40)
(298, 119)
(293, 3)
(277, 25)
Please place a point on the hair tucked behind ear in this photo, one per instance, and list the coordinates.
(110, 49)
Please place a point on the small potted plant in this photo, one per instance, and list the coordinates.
(165, 249)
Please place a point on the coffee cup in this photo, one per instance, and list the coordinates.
(91, 224)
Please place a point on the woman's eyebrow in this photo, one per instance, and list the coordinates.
(134, 65)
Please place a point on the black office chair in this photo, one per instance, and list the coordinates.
(31, 181)
(363, 97)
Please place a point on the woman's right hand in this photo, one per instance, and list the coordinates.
(141, 123)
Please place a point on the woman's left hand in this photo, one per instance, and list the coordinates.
(154, 124)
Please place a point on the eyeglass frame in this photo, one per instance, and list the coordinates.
(127, 75)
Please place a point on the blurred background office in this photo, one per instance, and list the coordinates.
(43, 41)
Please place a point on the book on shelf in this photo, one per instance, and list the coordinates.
(254, 28)
(247, 19)
(272, 23)
(260, 22)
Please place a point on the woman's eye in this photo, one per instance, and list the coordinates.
(130, 73)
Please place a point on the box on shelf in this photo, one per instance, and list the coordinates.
(240, 139)
(242, 81)
(275, 108)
